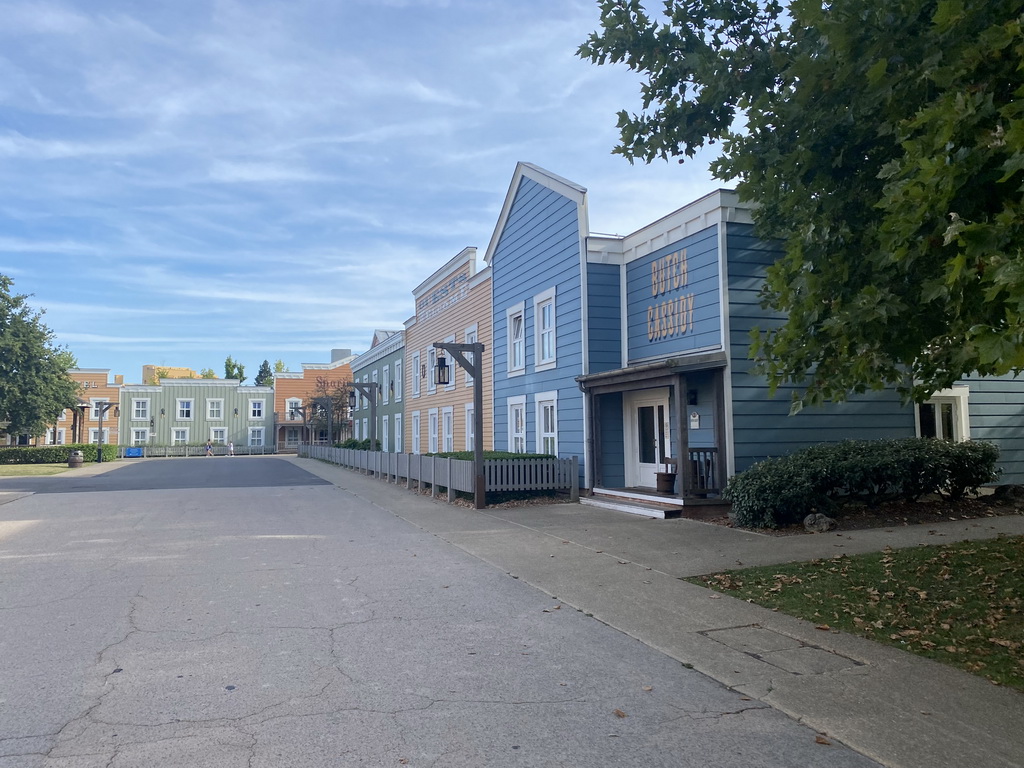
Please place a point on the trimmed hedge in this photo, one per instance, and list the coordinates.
(54, 454)
(468, 455)
(784, 490)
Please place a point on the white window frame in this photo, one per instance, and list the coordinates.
(189, 412)
(63, 415)
(385, 384)
(431, 365)
(385, 430)
(542, 400)
(470, 334)
(290, 404)
(399, 436)
(256, 437)
(59, 436)
(94, 435)
(433, 430)
(415, 375)
(415, 434)
(140, 435)
(140, 409)
(516, 346)
(211, 403)
(448, 429)
(366, 431)
(96, 403)
(183, 440)
(261, 405)
(399, 381)
(373, 378)
(958, 397)
(470, 426)
(542, 361)
(223, 439)
(516, 439)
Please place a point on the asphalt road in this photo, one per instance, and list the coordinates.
(241, 612)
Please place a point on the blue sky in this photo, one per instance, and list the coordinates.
(182, 181)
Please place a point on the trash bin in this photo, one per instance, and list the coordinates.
(75, 459)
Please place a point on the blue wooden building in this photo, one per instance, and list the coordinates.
(632, 352)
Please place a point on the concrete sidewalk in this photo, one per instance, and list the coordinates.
(901, 710)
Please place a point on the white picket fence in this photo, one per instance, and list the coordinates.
(526, 474)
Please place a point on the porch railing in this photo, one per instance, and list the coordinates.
(704, 474)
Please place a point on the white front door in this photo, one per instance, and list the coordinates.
(647, 432)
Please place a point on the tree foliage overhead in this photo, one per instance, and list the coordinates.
(207, 373)
(264, 376)
(34, 382)
(883, 142)
(233, 370)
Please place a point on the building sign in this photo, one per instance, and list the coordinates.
(672, 299)
(443, 297)
(671, 313)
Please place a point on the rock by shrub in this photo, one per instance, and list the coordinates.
(785, 490)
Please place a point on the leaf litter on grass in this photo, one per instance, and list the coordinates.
(961, 604)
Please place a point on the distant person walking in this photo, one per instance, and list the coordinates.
(231, 449)
(209, 448)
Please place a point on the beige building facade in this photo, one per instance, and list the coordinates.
(452, 305)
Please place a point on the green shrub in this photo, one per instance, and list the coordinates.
(782, 491)
(54, 454)
(468, 455)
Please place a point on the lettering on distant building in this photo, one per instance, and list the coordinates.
(671, 311)
(443, 297)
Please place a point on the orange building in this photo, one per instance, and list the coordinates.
(296, 388)
(82, 425)
(452, 305)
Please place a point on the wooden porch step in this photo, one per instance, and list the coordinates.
(634, 506)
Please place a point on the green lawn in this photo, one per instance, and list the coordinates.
(961, 604)
(28, 470)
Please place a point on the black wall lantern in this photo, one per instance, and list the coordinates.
(351, 399)
(442, 376)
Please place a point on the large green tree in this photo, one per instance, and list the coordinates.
(233, 370)
(264, 376)
(883, 142)
(34, 382)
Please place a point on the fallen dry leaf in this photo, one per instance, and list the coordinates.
(823, 627)
(619, 713)
(822, 740)
(648, 687)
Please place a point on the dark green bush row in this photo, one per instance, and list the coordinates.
(468, 455)
(54, 454)
(784, 490)
(357, 445)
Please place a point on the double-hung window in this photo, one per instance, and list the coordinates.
(432, 430)
(184, 410)
(399, 381)
(385, 384)
(516, 328)
(517, 424)
(544, 327)
(431, 367)
(256, 410)
(471, 337)
(547, 422)
(255, 436)
(140, 409)
(415, 375)
(215, 409)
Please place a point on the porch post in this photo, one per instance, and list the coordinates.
(721, 460)
(683, 479)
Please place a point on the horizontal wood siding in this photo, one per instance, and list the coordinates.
(761, 424)
(613, 440)
(680, 312)
(996, 409)
(539, 249)
(604, 315)
(452, 320)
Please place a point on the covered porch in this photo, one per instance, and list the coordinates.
(656, 431)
